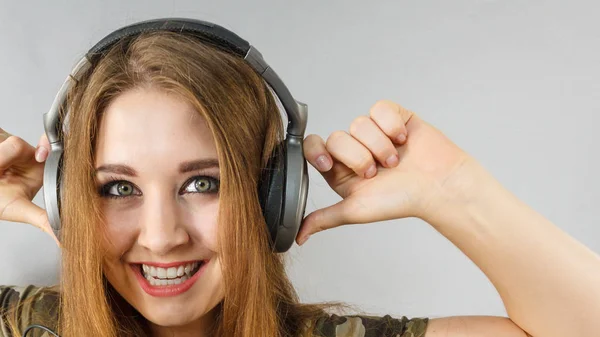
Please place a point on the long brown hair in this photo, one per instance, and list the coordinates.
(246, 124)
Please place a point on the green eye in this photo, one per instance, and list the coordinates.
(118, 189)
(202, 184)
(124, 189)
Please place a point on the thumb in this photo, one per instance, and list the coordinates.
(322, 219)
(43, 148)
(23, 210)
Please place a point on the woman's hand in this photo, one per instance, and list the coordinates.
(21, 177)
(391, 164)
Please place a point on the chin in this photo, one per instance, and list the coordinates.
(175, 312)
(174, 317)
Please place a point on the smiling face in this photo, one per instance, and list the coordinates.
(157, 172)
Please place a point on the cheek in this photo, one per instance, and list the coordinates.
(120, 225)
(202, 220)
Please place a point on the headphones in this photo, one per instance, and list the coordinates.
(283, 186)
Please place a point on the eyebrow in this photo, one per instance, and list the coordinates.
(196, 165)
(185, 167)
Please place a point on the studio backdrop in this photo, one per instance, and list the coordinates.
(514, 83)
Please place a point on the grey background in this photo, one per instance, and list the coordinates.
(515, 83)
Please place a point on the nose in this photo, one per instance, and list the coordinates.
(161, 229)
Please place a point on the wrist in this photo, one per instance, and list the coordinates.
(467, 186)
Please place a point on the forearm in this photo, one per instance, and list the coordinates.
(549, 282)
(473, 326)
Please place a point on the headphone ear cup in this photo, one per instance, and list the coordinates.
(272, 191)
(52, 189)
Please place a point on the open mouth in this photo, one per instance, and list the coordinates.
(158, 276)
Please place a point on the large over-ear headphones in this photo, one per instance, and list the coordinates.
(284, 183)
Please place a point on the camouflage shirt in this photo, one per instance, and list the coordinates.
(42, 302)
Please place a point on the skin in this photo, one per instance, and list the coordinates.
(439, 183)
(427, 176)
(159, 220)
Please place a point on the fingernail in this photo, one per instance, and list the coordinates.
(401, 138)
(392, 160)
(323, 163)
(41, 153)
(371, 171)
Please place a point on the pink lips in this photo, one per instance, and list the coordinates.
(168, 290)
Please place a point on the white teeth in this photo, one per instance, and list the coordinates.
(193, 267)
(157, 276)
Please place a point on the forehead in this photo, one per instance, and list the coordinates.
(146, 126)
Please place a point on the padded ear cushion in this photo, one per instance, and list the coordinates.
(272, 190)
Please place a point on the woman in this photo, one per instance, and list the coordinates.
(166, 141)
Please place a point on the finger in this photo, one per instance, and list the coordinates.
(316, 153)
(43, 148)
(351, 153)
(322, 219)
(23, 210)
(370, 135)
(13, 150)
(391, 119)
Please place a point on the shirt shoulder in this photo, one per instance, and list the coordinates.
(29, 305)
(370, 326)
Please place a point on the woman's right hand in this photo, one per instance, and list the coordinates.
(21, 177)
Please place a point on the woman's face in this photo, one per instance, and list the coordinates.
(157, 170)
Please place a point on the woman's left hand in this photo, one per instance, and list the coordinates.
(390, 165)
